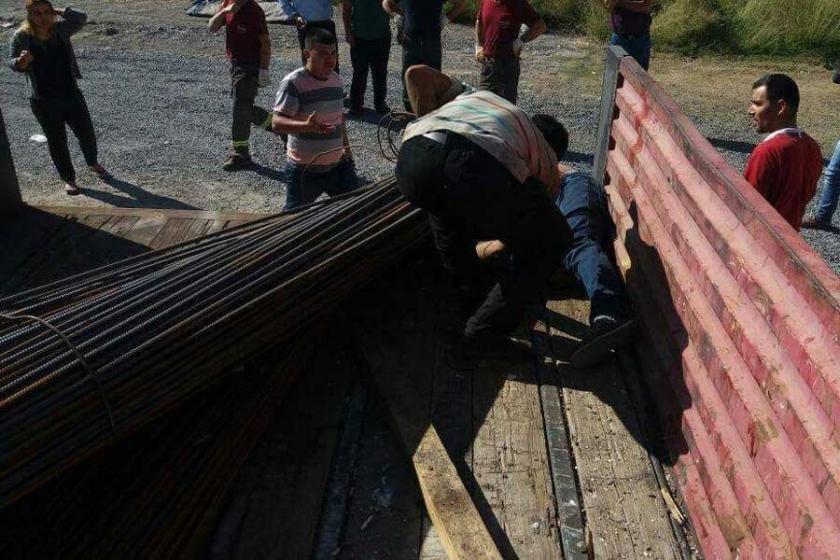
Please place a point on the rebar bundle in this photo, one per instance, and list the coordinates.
(89, 359)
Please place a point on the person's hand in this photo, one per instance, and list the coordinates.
(479, 53)
(24, 60)
(350, 37)
(315, 127)
(300, 22)
(264, 78)
(516, 47)
(59, 11)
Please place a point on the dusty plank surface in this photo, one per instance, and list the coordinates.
(401, 357)
(510, 461)
(626, 516)
(275, 504)
(386, 508)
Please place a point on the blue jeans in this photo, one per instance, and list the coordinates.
(584, 207)
(831, 189)
(303, 188)
(637, 46)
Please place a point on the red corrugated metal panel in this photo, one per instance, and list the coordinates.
(744, 323)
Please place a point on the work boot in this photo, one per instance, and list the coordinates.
(468, 351)
(605, 335)
(235, 162)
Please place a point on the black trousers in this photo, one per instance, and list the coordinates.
(370, 54)
(501, 76)
(420, 49)
(54, 116)
(469, 196)
(327, 24)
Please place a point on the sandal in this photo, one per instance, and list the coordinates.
(72, 189)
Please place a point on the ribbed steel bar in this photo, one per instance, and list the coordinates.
(158, 327)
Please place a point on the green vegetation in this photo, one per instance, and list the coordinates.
(733, 26)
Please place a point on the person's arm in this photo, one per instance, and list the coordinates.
(762, 168)
(479, 35)
(348, 153)
(458, 6)
(347, 17)
(218, 20)
(265, 51)
(74, 20)
(284, 124)
(534, 30)
(638, 6)
(19, 58)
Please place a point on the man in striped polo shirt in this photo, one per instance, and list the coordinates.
(483, 169)
(310, 109)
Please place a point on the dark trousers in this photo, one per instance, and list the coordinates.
(420, 50)
(469, 195)
(303, 188)
(244, 80)
(584, 207)
(54, 115)
(370, 54)
(501, 76)
(327, 24)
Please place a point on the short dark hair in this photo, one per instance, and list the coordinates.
(780, 86)
(554, 132)
(318, 35)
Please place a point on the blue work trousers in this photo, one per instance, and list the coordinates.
(831, 189)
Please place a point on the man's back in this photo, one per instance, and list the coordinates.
(785, 169)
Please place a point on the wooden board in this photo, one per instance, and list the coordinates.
(401, 359)
(275, 504)
(626, 516)
(510, 461)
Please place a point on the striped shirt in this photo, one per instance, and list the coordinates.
(301, 94)
(501, 129)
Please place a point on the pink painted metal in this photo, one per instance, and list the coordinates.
(743, 319)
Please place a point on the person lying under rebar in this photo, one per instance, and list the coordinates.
(583, 205)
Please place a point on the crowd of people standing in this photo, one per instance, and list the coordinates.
(511, 187)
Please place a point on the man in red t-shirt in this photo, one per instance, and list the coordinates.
(249, 51)
(786, 166)
(498, 44)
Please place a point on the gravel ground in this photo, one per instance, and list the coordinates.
(157, 85)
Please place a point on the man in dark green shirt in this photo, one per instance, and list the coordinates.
(368, 32)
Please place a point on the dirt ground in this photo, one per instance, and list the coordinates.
(157, 85)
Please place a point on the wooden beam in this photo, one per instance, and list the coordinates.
(10, 200)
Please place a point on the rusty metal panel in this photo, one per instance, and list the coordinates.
(743, 320)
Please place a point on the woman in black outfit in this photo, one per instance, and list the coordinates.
(42, 50)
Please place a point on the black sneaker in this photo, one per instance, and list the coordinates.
(467, 352)
(382, 109)
(235, 162)
(606, 334)
(811, 222)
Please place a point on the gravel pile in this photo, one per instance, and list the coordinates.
(157, 85)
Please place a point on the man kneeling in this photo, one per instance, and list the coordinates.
(583, 206)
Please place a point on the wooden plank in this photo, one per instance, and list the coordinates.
(431, 548)
(275, 504)
(398, 347)
(386, 508)
(626, 515)
(561, 458)
(178, 230)
(151, 213)
(510, 460)
(22, 236)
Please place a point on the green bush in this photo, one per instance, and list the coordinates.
(691, 26)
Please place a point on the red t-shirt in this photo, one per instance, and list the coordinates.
(785, 169)
(242, 32)
(501, 20)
